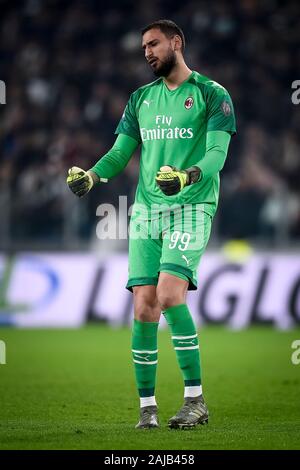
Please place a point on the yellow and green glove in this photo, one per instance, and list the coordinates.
(171, 180)
(81, 182)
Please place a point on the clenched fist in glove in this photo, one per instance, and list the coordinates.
(171, 180)
(81, 182)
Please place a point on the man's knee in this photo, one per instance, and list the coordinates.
(146, 306)
(170, 291)
(167, 299)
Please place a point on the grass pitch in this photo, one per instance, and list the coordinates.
(74, 389)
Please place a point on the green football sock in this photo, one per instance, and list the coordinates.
(144, 353)
(186, 345)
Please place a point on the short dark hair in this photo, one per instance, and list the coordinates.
(168, 27)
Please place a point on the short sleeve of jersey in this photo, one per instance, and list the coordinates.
(129, 124)
(220, 111)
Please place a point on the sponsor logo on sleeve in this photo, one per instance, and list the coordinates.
(226, 109)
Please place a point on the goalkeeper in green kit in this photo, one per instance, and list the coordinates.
(184, 122)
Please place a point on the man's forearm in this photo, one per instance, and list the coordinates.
(171, 180)
(115, 160)
(216, 152)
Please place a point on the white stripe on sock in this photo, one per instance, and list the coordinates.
(148, 352)
(184, 337)
(188, 347)
(147, 401)
(149, 363)
(193, 391)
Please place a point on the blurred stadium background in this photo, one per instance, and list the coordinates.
(69, 67)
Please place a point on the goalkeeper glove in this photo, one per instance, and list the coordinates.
(79, 181)
(171, 180)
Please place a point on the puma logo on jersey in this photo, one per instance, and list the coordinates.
(148, 102)
(185, 259)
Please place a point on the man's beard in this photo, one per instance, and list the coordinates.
(166, 66)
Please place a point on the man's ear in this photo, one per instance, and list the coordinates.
(177, 42)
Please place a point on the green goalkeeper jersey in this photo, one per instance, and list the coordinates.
(172, 126)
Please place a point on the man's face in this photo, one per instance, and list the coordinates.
(159, 52)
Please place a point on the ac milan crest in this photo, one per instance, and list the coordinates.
(189, 102)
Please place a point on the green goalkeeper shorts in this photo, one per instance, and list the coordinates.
(170, 242)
